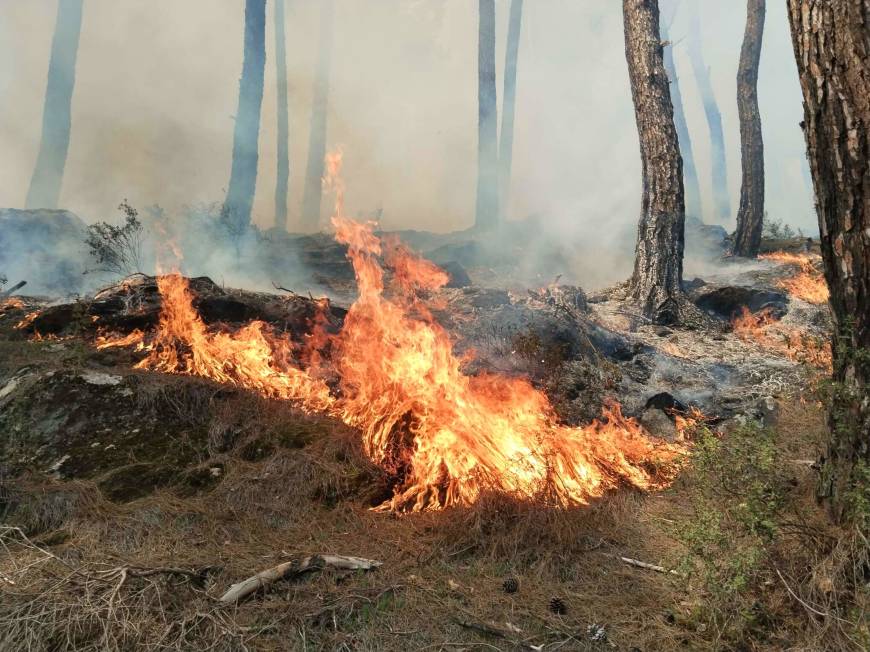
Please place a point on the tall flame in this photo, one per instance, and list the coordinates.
(445, 437)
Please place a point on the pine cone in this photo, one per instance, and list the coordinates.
(510, 585)
(558, 607)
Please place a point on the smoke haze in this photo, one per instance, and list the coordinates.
(157, 87)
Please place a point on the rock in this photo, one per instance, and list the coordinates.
(768, 411)
(728, 301)
(459, 278)
(665, 401)
(44, 247)
(658, 424)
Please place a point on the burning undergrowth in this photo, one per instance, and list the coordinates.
(446, 437)
(807, 282)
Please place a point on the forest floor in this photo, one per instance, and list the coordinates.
(158, 492)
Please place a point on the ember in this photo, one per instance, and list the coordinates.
(446, 437)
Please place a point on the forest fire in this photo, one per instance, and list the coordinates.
(807, 283)
(763, 329)
(445, 436)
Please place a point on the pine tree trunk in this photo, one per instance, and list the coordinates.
(283, 167)
(721, 196)
(506, 143)
(690, 172)
(313, 190)
(658, 267)
(831, 41)
(45, 184)
(747, 238)
(243, 176)
(486, 212)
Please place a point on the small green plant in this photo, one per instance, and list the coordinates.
(739, 492)
(117, 249)
(775, 229)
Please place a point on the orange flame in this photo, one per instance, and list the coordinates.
(12, 303)
(252, 357)
(763, 329)
(444, 436)
(807, 283)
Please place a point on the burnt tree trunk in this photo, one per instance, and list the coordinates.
(486, 212)
(690, 172)
(747, 238)
(658, 265)
(831, 41)
(45, 184)
(313, 191)
(283, 167)
(721, 196)
(243, 175)
(509, 100)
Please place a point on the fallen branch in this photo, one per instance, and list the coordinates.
(17, 286)
(295, 568)
(489, 630)
(648, 566)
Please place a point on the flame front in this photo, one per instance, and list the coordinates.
(807, 283)
(445, 437)
(763, 329)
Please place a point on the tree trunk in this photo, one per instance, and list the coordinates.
(45, 184)
(313, 191)
(658, 267)
(747, 238)
(243, 176)
(690, 173)
(506, 144)
(721, 196)
(831, 41)
(486, 213)
(283, 167)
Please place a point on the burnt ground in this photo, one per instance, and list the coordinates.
(131, 500)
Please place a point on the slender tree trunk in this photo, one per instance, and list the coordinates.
(506, 143)
(283, 167)
(831, 41)
(47, 177)
(313, 191)
(243, 176)
(747, 238)
(658, 267)
(690, 172)
(486, 213)
(721, 197)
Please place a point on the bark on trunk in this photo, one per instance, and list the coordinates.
(747, 238)
(721, 196)
(831, 41)
(45, 184)
(313, 191)
(658, 266)
(506, 144)
(243, 176)
(283, 166)
(690, 172)
(486, 213)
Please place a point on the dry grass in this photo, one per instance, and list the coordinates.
(78, 572)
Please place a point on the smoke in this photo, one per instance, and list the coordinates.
(157, 85)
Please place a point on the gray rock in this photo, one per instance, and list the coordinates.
(658, 424)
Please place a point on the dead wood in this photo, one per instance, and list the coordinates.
(13, 289)
(295, 568)
(647, 565)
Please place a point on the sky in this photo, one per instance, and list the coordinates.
(157, 88)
